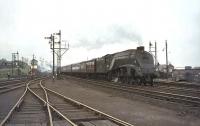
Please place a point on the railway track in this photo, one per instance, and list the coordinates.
(13, 85)
(41, 106)
(152, 93)
(166, 88)
(10, 83)
(10, 87)
(3, 120)
(179, 90)
(5, 82)
(179, 84)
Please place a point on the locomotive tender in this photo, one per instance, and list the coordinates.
(129, 66)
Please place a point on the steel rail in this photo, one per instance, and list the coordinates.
(47, 100)
(177, 95)
(10, 89)
(16, 105)
(173, 97)
(165, 87)
(10, 85)
(16, 87)
(178, 90)
(190, 90)
(9, 81)
(179, 84)
(118, 121)
(18, 102)
(54, 109)
(173, 85)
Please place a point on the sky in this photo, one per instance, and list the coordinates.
(94, 28)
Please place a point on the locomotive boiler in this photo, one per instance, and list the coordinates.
(129, 66)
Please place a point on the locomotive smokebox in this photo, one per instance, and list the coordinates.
(140, 48)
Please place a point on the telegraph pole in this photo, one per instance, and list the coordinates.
(33, 65)
(18, 63)
(153, 50)
(59, 52)
(53, 57)
(156, 54)
(167, 69)
(51, 42)
(59, 49)
(14, 61)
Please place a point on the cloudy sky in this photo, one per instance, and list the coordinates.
(94, 28)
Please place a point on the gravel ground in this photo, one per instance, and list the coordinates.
(8, 99)
(134, 109)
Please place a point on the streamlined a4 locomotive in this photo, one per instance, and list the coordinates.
(129, 66)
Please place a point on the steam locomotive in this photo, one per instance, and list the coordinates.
(134, 66)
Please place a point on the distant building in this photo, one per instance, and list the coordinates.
(162, 68)
(34, 67)
(14, 68)
(188, 74)
(5, 64)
